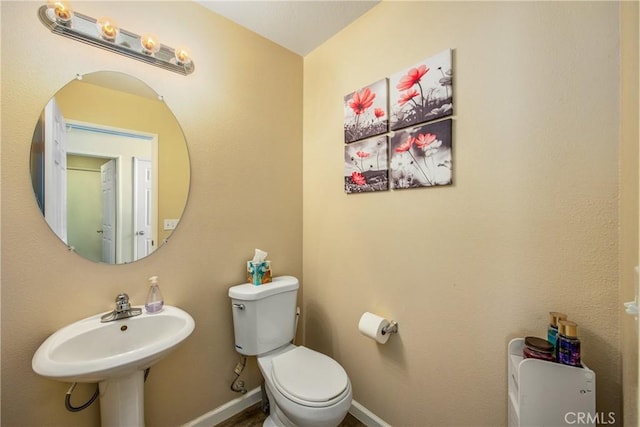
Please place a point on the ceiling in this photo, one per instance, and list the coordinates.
(299, 26)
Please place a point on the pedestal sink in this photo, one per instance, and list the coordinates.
(113, 354)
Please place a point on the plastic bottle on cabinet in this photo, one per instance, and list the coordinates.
(568, 343)
(552, 329)
(154, 302)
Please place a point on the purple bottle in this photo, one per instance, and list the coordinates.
(568, 343)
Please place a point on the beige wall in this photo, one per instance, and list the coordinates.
(241, 113)
(529, 225)
(628, 157)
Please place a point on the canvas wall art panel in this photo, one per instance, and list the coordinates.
(366, 165)
(422, 92)
(366, 112)
(421, 156)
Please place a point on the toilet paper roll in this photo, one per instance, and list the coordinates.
(371, 326)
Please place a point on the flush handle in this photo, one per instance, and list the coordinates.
(238, 306)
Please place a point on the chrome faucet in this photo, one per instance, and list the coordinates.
(123, 310)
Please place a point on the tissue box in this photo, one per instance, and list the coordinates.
(259, 273)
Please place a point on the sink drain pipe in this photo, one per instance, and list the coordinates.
(71, 408)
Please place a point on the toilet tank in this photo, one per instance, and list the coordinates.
(264, 317)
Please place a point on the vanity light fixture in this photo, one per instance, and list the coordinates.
(58, 16)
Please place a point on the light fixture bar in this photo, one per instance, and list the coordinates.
(83, 28)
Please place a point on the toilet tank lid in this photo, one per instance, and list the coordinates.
(249, 292)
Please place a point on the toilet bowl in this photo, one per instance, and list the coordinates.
(305, 388)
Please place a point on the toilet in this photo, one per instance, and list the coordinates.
(305, 388)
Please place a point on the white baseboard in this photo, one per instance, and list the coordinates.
(229, 409)
(365, 416)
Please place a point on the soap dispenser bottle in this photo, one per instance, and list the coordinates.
(154, 297)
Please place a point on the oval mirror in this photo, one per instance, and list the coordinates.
(110, 167)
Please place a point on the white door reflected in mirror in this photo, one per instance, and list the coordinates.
(107, 198)
(145, 212)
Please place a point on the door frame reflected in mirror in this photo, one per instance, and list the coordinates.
(131, 234)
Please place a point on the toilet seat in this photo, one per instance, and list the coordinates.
(309, 378)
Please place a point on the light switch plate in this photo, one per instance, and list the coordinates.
(170, 224)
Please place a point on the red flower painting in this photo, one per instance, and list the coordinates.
(365, 165)
(421, 156)
(365, 112)
(422, 93)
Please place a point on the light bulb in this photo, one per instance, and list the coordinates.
(183, 56)
(150, 43)
(108, 28)
(60, 11)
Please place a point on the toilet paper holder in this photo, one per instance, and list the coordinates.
(391, 328)
(377, 327)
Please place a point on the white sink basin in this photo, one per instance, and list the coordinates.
(91, 351)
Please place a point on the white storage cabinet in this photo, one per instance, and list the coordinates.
(549, 394)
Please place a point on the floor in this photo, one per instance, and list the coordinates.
(253, 417)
